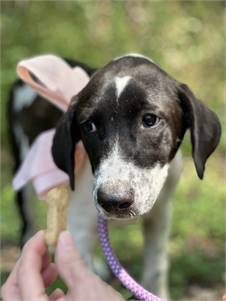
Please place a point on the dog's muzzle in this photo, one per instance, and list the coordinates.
(115, 202)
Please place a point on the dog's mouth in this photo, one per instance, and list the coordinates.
(123, 214)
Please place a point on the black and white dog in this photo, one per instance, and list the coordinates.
(131, 118)
(28, 116)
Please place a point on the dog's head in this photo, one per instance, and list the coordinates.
(131, 118)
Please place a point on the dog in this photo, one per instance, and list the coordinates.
(131, 118)
(29, 114)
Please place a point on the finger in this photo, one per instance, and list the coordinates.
(29, 272)
(46, 260)
(10, 290)
(69, 263)
(10, 293)
(58, 293)
(49, 275)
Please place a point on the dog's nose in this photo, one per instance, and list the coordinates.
(114, 203)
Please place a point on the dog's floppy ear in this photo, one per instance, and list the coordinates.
(204, 127)
(64, 143)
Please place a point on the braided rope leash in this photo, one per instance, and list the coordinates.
(135, 288)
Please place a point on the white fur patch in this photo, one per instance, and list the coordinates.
(115, 173)
(24, 96)
(120, 83)
(134, 55)
(22, 140)
(82, 214)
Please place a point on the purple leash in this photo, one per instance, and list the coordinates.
(135, 288)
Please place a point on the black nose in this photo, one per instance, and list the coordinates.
(114, 203)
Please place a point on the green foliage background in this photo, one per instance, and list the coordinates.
(186, 38)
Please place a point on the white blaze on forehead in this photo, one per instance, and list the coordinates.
(120, 83)
(114, 172)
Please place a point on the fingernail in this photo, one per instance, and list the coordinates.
(66, 240)
(40, 233)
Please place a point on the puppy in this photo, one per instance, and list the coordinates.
(131, 118)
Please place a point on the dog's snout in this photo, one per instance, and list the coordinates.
(114, 203)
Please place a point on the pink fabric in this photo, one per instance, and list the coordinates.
(59, 83)
(39, 167)
(56, 80)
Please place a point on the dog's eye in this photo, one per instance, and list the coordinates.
(89, 126)
(149, 120)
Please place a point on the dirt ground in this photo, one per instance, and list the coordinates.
(9, 254)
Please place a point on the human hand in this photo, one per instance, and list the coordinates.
(34, 272)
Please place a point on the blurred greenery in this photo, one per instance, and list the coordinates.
(186, 38)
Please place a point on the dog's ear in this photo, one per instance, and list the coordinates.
(64, 142)
(204, 127)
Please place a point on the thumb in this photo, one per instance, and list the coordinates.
(69, 262)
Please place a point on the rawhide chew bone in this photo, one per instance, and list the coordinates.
(58, 200)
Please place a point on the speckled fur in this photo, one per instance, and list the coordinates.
(115, 173)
